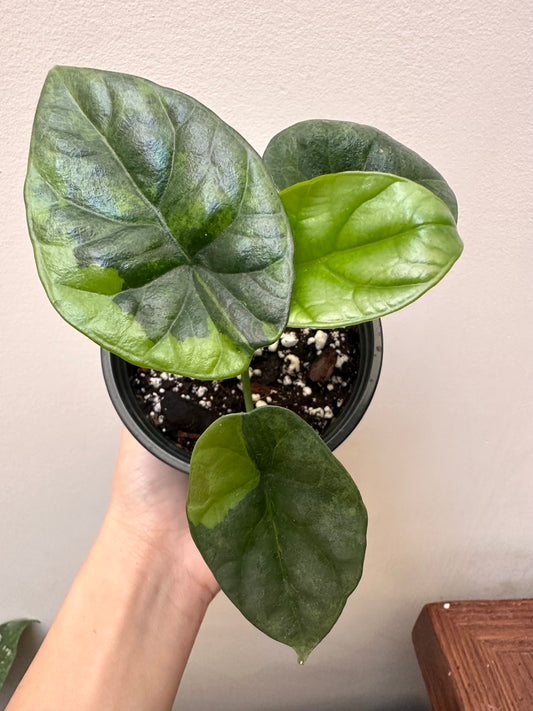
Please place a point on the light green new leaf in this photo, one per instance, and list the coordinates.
(317, 147)
(156, 228)
(365, 244)
(10, 634)
(279, 521)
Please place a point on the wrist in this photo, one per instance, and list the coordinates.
(123, 634)
(156, 557)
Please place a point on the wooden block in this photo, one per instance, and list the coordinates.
(477, 655)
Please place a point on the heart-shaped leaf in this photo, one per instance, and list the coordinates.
(318, 147)
(279, 521)
(157, 230)
(365, 244)
(10, 634)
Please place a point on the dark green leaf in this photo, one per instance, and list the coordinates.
(10, 633)
(365, 244)
(317, 147)
(279, 521)
(157, 230)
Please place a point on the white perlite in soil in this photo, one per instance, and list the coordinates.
(309, 371)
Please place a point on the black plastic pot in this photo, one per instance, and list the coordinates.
(118, 373)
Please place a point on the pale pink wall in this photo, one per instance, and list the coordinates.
(444, 457)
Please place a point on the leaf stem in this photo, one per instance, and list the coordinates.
(247, 390)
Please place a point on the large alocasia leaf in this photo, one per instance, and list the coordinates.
(157, 231)
(365, 244)
(279, 521)
(317, 147)
(10, 634)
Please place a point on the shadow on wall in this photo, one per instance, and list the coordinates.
(34, 636)
(358, 705)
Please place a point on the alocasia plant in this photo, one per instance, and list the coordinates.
(160, 234)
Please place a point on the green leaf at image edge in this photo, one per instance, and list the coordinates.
(10, 634)
(156, 228)
(365, 245)
(279, 521)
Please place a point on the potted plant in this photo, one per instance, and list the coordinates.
(160, 234)
(328, 378)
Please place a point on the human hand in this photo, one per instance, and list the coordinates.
(148, 503)
(123, 635)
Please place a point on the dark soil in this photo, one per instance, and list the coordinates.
(309, 371)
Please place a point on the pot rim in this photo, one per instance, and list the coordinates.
(125, 403)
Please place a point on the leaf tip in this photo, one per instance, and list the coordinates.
(303, 654)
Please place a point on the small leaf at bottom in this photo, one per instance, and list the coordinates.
(279, 521)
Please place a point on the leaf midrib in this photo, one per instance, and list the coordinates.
(206, 291)
(372, 243)
(292, 592)
(269, 515)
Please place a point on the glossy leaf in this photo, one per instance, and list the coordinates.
(317, 147)
(279, 521)
(10, 634)
(365, 244)
(157, 230)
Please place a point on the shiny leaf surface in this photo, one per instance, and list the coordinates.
(157, 231)
(279, 521)
(318, 147)
(365, 244)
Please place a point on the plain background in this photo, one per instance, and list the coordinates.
(443, 457)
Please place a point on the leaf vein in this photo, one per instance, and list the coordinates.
(85, 208)
(171, 170)
(129, 177)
